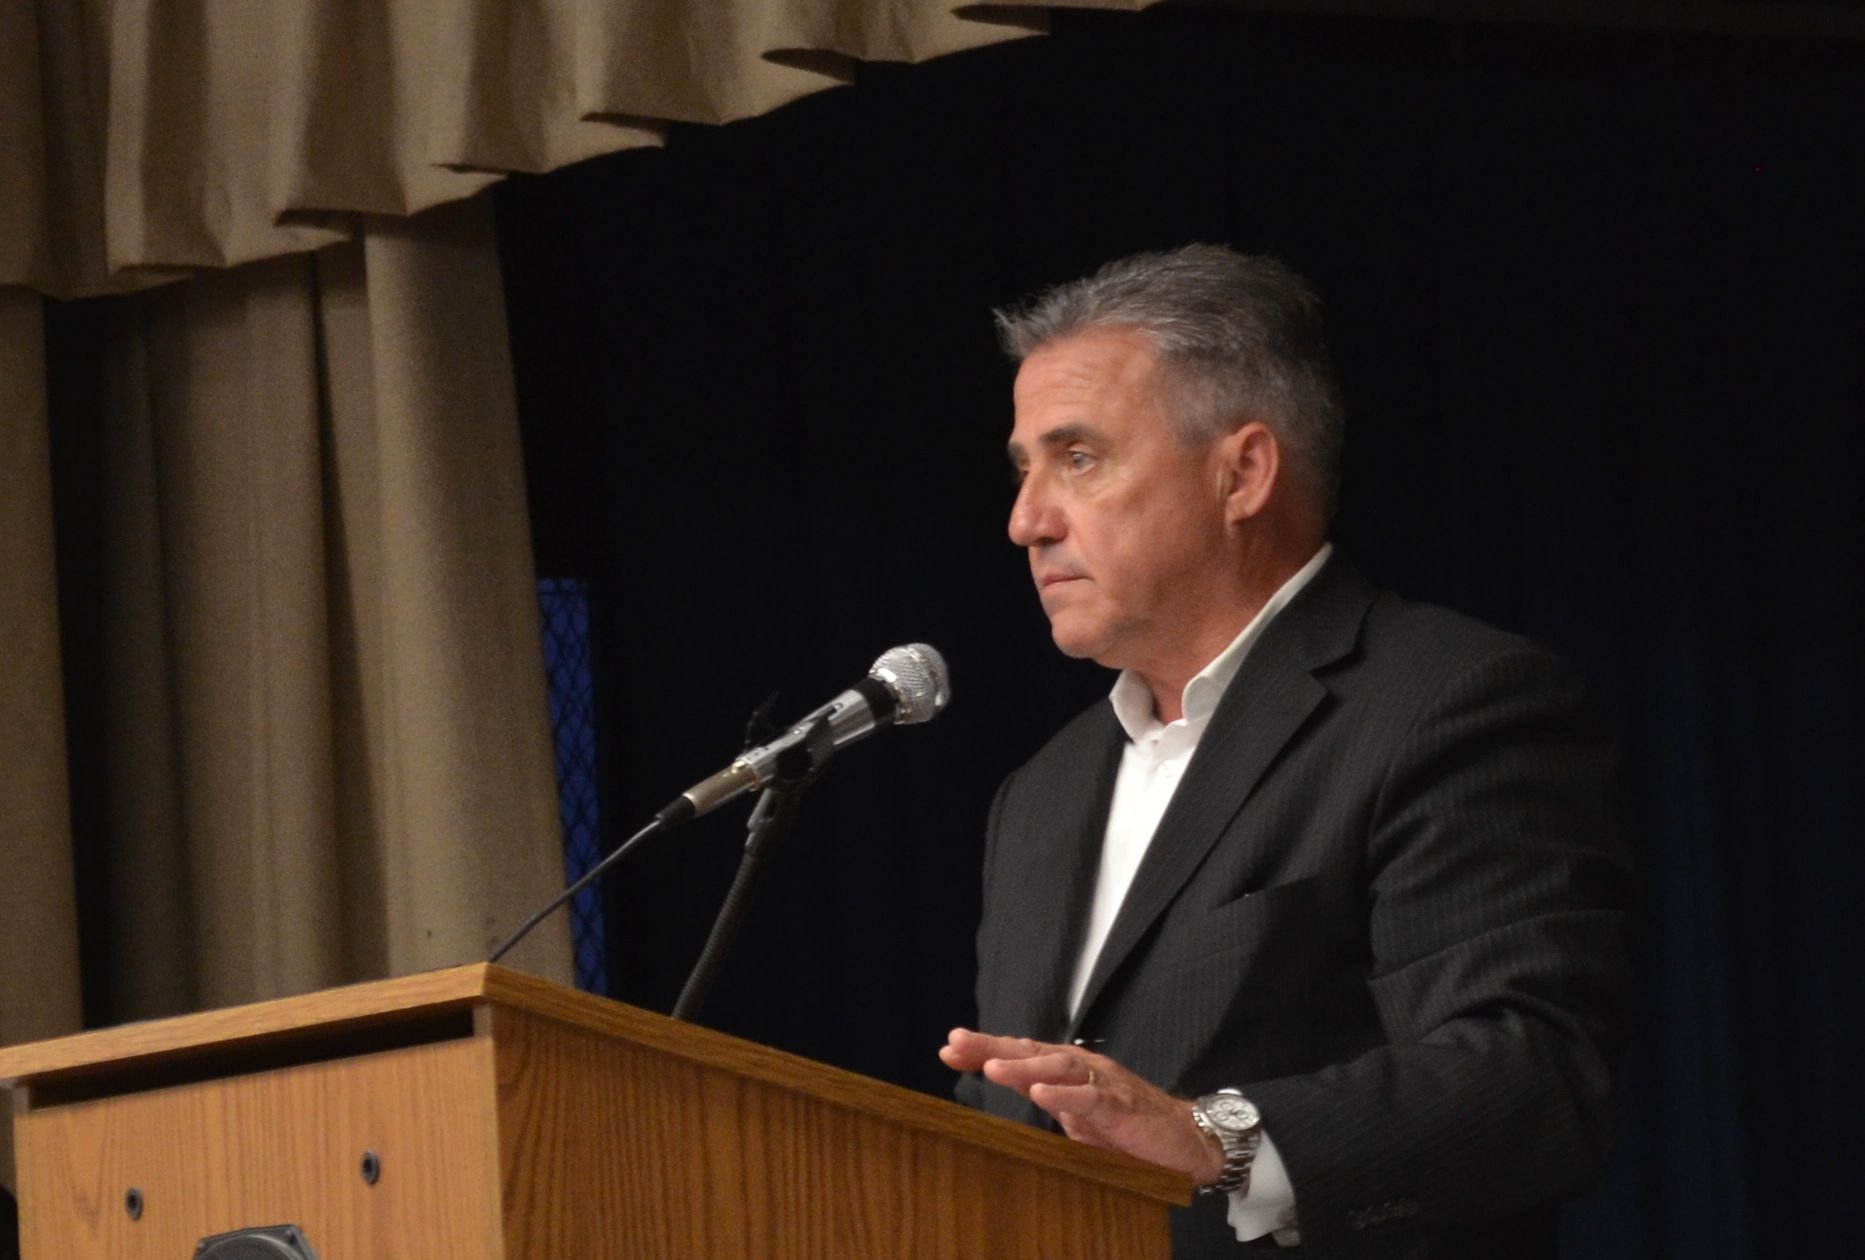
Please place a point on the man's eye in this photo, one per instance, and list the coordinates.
(1079, 460)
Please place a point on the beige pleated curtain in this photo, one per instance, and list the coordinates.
(140, 139)
(325, 749)
(326, 754)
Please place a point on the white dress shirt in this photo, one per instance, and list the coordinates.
(1150, 768)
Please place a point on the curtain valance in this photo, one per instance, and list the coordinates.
(145, 139)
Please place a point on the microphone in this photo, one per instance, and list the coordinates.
(906, 685)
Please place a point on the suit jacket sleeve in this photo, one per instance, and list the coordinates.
(1497, 883)
(970, 1087)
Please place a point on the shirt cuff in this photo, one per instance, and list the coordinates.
(1267, 1205)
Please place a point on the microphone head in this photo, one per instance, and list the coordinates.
(916, 674)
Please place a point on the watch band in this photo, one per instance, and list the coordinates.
(1230, 1118)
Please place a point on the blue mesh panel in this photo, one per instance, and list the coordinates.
(565, 605)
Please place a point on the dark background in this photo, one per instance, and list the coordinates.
(1598, 300)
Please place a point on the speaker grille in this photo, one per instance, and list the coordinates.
(272, 1242)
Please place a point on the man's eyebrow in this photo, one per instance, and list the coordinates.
(1061, 435)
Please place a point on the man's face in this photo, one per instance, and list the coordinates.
(1123, 523)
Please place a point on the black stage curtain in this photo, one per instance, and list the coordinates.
(1598, 300)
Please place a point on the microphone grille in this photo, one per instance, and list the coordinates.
(917, 675)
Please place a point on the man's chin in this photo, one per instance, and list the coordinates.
(1077, 641)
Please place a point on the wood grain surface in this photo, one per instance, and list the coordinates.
(275, 1148)
(220, 1032)
(515, 1118)
(686, 1160)
(891, 1103)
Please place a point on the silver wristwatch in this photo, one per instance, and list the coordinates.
(1233, 1120)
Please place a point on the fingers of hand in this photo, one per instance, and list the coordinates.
(1094, 1099)
(1057, 1067)
(1077, 1101)
(959, 1058)
(969, 1051)
(1082, 1130)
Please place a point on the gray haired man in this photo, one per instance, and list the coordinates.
(1325, 905)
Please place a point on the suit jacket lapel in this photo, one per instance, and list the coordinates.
(1065, 845)
(1271, 698)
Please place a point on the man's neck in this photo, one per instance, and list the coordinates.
(1167, 681)
(1168, 687)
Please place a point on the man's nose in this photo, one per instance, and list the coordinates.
(1034, 519)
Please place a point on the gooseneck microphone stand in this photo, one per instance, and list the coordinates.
(906, 685)
(797, 767)
(769, 822)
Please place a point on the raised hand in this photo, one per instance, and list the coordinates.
(1093, 1098)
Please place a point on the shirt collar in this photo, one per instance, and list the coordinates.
(1133, 703)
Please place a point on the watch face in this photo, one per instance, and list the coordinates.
(1227, 1111)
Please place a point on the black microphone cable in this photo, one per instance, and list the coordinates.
(906, 685)
(590, 876)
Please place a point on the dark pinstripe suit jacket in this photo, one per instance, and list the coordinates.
(1388, 902)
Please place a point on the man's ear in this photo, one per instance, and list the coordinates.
(1251, 462)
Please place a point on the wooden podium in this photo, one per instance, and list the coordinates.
(478, 1113)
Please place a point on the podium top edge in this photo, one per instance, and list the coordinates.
(371, 1006)
(360, 1005)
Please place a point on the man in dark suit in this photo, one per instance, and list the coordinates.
(1326, 906)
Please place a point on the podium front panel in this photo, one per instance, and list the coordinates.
(618, 1150)
(145, 1175)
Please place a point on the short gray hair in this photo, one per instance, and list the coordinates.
(1239, 333)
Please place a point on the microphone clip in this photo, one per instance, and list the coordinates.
(762, 726)
(801, 760)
